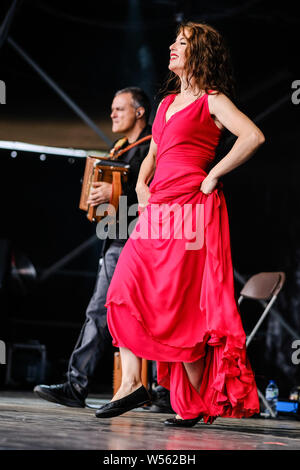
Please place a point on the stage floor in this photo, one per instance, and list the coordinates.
(29, 423)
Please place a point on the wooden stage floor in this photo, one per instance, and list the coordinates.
(30, 423)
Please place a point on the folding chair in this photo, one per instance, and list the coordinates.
(262, 286)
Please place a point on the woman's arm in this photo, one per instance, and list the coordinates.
(249, 138)
(147, 168)
(146, 173)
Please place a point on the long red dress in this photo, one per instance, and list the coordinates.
(171, 298)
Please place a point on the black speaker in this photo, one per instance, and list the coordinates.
(5, 254)
(26, 364)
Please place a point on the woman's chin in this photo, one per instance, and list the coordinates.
(173, 68)
(170, 66)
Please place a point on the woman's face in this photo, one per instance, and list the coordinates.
(177, 54)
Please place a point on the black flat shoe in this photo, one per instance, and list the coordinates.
(115, 408)
(182, 423)
(61, 394)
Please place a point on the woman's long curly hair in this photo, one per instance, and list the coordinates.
(208, 61)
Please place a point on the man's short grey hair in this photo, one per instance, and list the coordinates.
(139, 98)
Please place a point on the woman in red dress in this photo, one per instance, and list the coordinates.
(172, 298)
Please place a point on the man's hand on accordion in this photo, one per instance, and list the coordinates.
(100, 193)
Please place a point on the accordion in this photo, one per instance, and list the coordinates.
(110, 170)
(107, 170)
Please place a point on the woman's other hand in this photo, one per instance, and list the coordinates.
(143, 194)
(209, 184)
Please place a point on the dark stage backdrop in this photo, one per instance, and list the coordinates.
(91, 52)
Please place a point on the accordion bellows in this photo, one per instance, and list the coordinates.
(107, 170)
(110, 170)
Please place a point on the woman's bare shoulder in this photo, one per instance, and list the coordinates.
(218, 100)
(216, 95)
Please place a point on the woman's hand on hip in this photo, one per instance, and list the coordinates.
(208, 184)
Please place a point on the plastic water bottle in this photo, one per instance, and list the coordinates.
(271, 396)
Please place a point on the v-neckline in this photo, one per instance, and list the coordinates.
(182, 109)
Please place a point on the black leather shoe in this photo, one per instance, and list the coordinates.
(63, 394)
(115, 408)
(160, 401)
(182, 423)
(159, 408)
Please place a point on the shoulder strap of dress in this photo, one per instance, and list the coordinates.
(166, 99)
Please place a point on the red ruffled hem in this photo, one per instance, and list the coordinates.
(228, 387)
